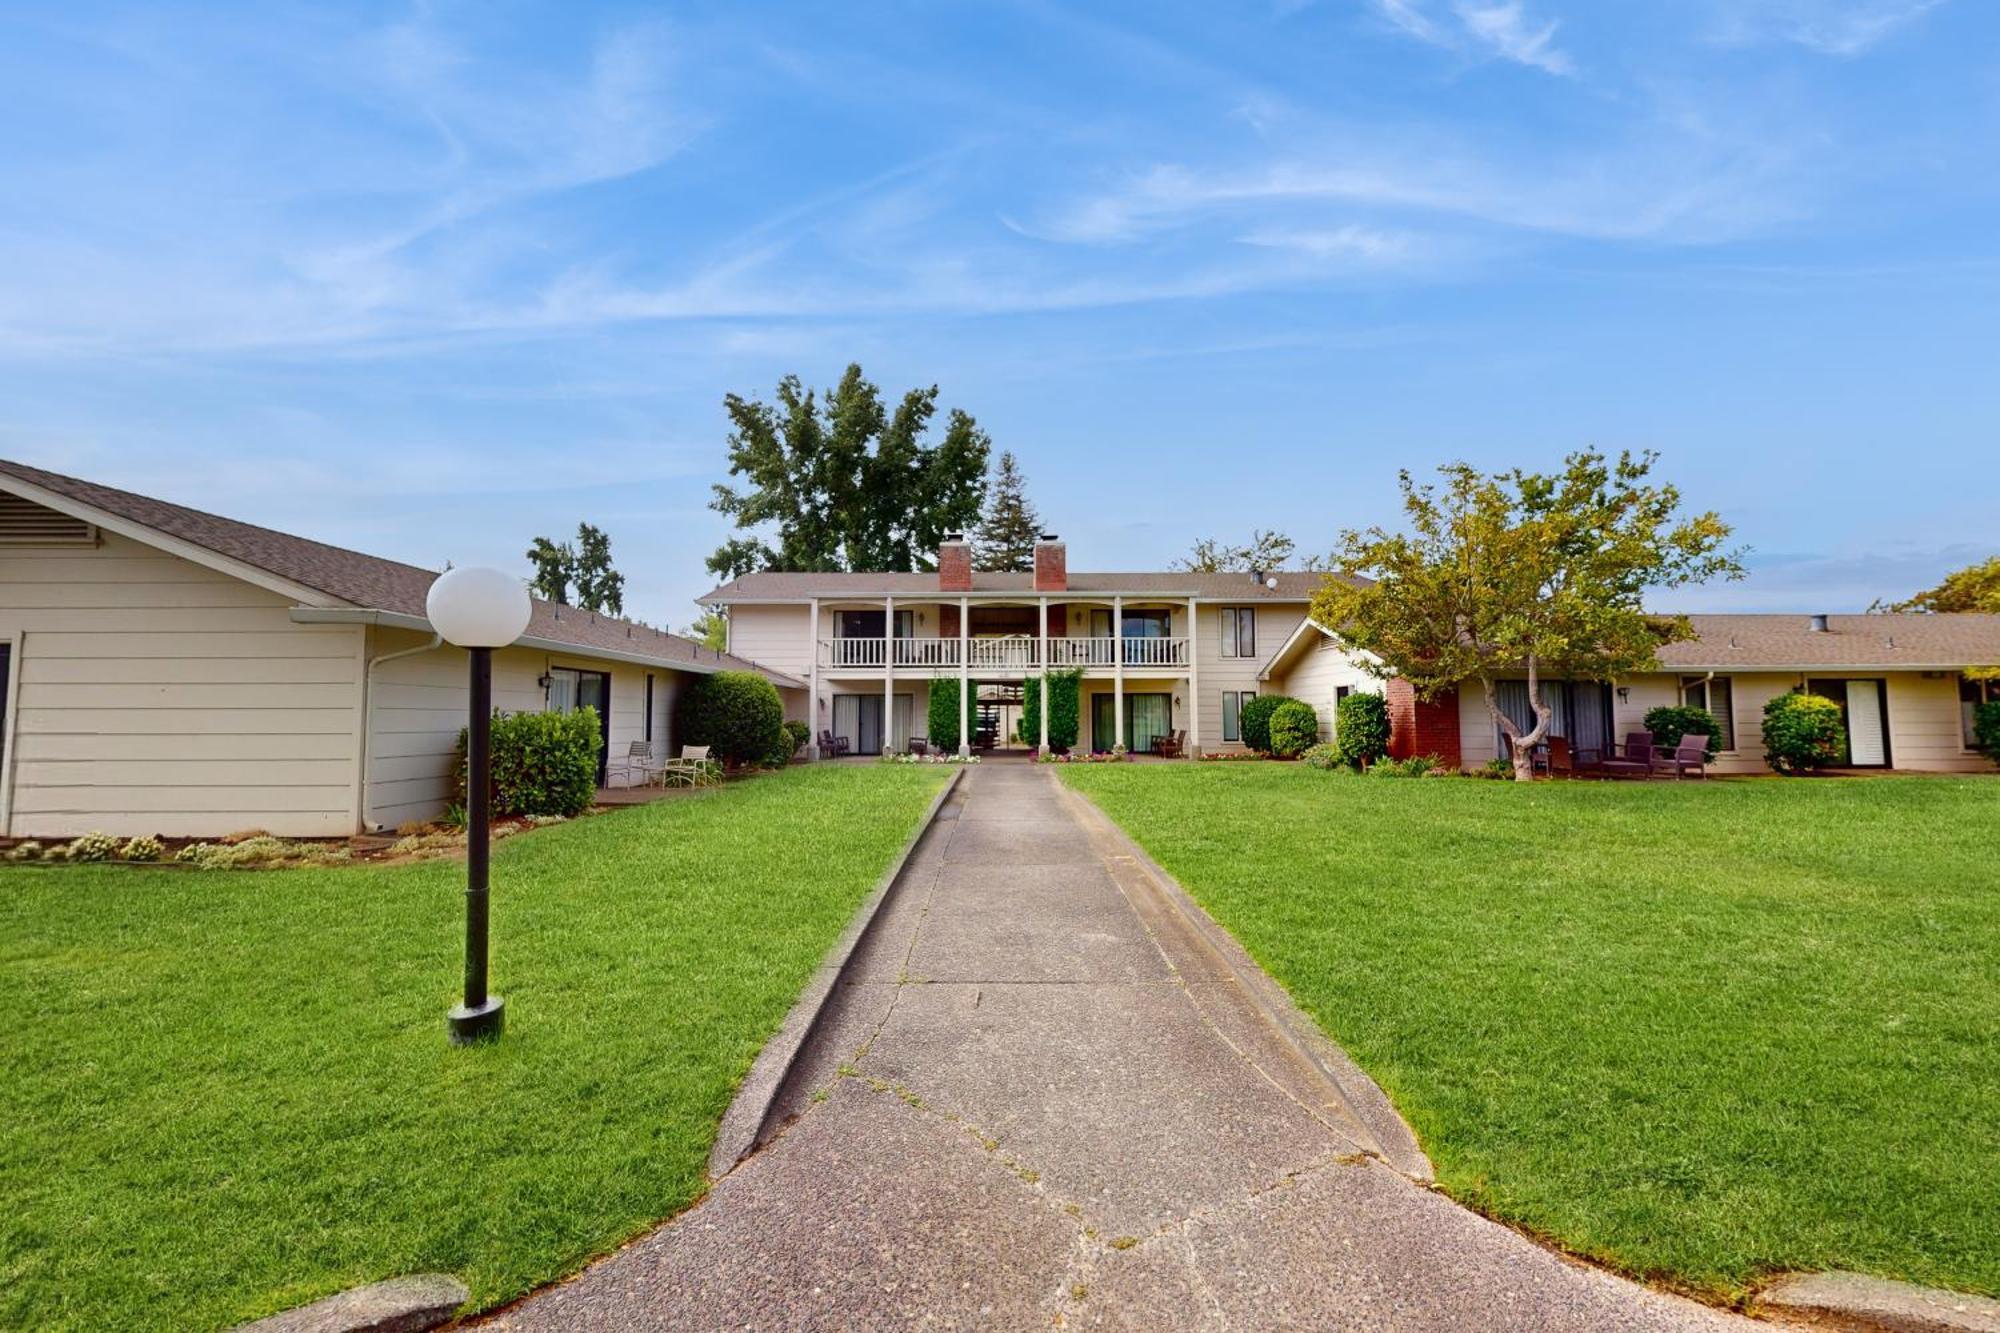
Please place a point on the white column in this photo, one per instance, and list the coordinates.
(888, 674)
(1194, 683)
(1043, 711)
(964, 676)
(812, 694)
(1118, 671)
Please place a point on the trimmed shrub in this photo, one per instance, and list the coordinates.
(1669, 725)
(1986, 728)
(1361, 729)
(1293, 728)
(944, 715)
(1803, 732)
(145, 847)
(1065, 710)
(799, 733)
(543, 763)
(93, 846)
(737, 714)
(1254, 721)
(26, 851)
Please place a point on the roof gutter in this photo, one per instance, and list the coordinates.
(321, 615)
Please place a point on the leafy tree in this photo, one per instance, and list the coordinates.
(710, 629)
(586, 563)
(841, 483)
(599, 587)
(1264, 550)
(1523, 572)
(555, 567)
(1006, 536)
(1974, 588)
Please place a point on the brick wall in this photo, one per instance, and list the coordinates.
(954, 567)
(1051, 569)
(1422, 726)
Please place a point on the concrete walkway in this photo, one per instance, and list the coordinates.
(1042, 1100)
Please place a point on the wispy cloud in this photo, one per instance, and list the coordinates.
(1681, 182)
(1843, 28)
(1486, 29)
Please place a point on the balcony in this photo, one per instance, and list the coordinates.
(1016, 653)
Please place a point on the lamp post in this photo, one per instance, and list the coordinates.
(478, 610)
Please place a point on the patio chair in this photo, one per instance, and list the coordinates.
(832, 746)
(920, 745)
(1169, 747)
(638, 767)
(1691, 753)
(1633, 759)
(1561, 760)
(693, 769)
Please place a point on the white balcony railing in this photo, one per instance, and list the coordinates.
(1156, 652)
(1018, 652)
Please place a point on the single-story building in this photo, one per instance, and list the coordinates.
(164, 670)
(1907, 685)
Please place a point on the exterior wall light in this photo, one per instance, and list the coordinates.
(478, 609)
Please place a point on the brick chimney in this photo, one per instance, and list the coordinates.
(954, 563)
(1051, 564)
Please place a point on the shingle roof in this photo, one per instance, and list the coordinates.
(368, 581)
(1293, 586)
(1747, 642)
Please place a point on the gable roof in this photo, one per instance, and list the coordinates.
(1731, 642)
(774, 586)
(335, 582)
(1894, 641)
(1308, 633)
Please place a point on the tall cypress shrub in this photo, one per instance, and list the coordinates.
(1065, 709)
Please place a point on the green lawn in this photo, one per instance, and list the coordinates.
(1697, 1031)
(229, 1093)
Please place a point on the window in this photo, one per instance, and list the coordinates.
(1239, 631)
(1971, 694)
(1716, 695)
(1232, 712)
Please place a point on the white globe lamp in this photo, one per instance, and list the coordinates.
(478, 610)
(478, 607)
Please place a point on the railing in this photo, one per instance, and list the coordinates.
(1018, 652)
(1156, 652)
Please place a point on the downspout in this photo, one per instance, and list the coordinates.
(368, 722)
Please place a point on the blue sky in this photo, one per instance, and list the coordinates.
(429, 280)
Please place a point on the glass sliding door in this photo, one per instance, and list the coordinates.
(858, 719)
(1147, 718)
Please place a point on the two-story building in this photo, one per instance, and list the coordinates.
(1176, 654)
(1162, 653)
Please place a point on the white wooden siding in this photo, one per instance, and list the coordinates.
(1318, 674)
(1924, 731)
(418, 705)
(153, 695)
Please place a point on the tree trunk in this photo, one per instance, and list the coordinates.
(1522, 744)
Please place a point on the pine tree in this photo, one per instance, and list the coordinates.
(1005, 538)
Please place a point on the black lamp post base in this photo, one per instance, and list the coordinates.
(475, 1023)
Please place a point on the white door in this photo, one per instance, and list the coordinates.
(1867, 747)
